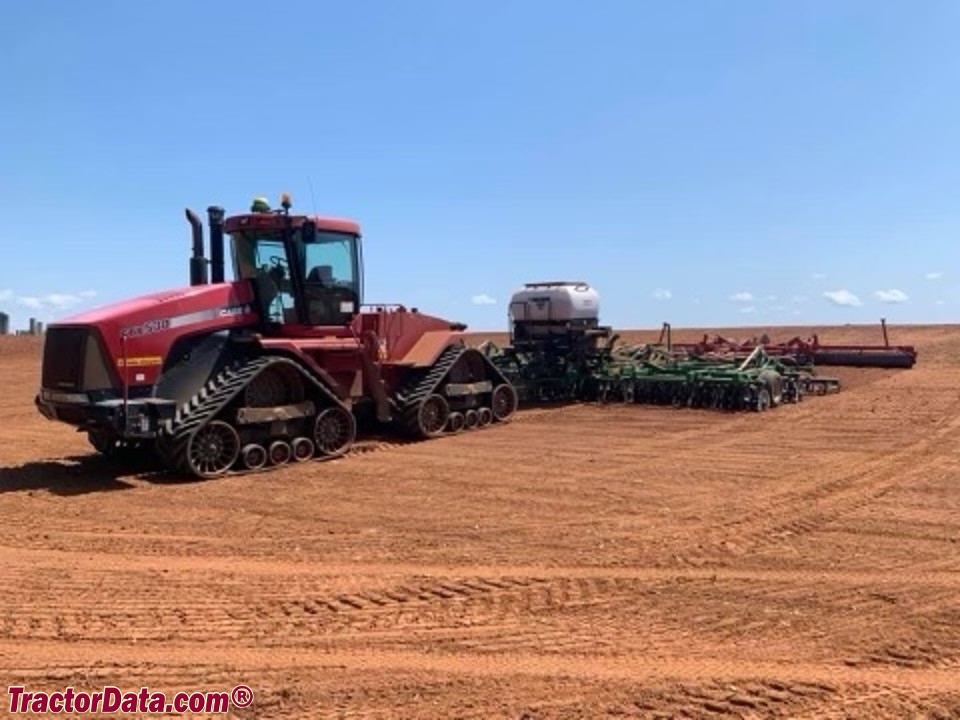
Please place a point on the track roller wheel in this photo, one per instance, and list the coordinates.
(503, 402)
(334, 431)
(455, 422)
(484, 416)
(302, 449)
(253, 456)
(470, 419)
(280, 452)
(213, 449)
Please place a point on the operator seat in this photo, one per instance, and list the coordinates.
(322, 274)
(322, 307)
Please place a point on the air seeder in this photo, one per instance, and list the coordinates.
(558, 351)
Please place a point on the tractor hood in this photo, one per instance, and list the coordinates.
(168, 309)
(141, 331)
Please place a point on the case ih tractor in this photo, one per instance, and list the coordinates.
(283, 364)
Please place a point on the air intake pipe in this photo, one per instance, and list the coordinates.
(215, 216)
(198, 263)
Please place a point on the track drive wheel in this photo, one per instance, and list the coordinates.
(275, 386)
(334, 431)
(503, 402)
(213, 449)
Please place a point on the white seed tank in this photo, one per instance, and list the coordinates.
(555, 302)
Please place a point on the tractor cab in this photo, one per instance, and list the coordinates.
(304, 271)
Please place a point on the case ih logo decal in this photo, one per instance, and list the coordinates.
(154, 326)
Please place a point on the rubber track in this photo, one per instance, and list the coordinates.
(213, 397)
(416, 391)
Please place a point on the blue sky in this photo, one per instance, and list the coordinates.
(704, 163)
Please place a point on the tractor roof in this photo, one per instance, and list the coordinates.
(266, 221)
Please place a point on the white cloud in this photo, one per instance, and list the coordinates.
(661, 294)
(800, 298)
(819, 276)
(742, 297)
(30, 302)
(940, 302)
(51, 301)
(770, 298)
(695, 301)
(483, 299)
(934, 275)
(777, 308)
(61, 300)
(891, 296)
(748, 309)
(843, 297)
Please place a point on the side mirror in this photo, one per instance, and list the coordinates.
(308, 231)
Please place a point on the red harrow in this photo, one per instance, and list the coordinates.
(806, 352)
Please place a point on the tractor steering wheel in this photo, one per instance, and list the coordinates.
(280, 263)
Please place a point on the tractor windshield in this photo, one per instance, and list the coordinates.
(331, 278)
(309, 283)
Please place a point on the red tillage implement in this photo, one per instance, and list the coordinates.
(810, 351)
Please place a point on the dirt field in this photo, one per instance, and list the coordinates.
(579, 562)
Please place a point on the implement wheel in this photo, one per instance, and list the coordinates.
(213, 449)
(503, 402)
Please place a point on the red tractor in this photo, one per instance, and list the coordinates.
(283, 364)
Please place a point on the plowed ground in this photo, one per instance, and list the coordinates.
(577, 562)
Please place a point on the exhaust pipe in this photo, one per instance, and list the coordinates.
(215, 215)
(198, 263)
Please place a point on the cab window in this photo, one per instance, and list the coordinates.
(331, 278)
(273, 282)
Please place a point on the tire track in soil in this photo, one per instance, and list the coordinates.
(27, 560)
(787, 515)
(326, 693)
(479, 614)
(173, 657)
(194, 612)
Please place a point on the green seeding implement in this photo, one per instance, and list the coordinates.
(559, 352)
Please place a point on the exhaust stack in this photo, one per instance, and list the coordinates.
(198, 263)
(215, 215)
